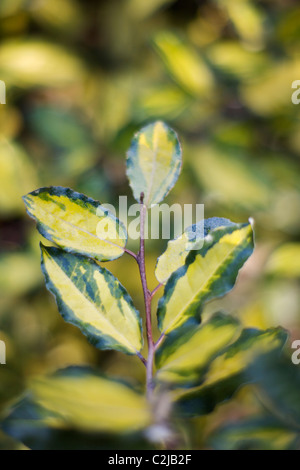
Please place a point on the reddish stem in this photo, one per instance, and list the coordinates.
(156, 289)
(158, 342)
(129, 252)
(147, 299)
(141, 357)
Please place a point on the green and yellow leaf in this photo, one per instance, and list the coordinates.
(285, 261)
(207, 274)
(84, 400)
(17, 176)
(232, 59)
(258, 433)
(91, 298)
(279, 381)
(230, 370)
(76, 223)
(178, 249)
(184, 64)
(247, 19)
(153, 162)
(31, 62)
(230, 177)
(183, 360)
(163, 101)
(250, 345)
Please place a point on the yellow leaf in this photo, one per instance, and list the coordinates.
(89, 402)
(76, 223)
(91, 298)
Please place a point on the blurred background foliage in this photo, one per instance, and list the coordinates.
(81, 77)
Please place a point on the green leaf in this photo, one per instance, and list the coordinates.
(59, 128)
(76, 223)
(268, 95)
(17, 176)
(207, 274)
(234, 60)
(90, 297)
(61, 17)
(35, 62)
(183, 359)
(185, 65)
(248, 20)
(279, 383)
(7, 443)
(231, 370)
(285, 261)
(13, 265)
(230, 176)
(162, 101)
(153, 162)
(259, 433)
(82, 399)
(178, 249)
(29, 424)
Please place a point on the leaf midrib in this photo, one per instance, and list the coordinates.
(155, 152)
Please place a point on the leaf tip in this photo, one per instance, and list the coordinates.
(251, 222)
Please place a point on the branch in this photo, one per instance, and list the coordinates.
(152, 294)
(147, 299)
(129, 252)
(159, 341)
(139, 355)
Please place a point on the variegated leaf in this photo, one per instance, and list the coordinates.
(76, 223)
(183, 359)
(184, 64)
(153, 162)
(208, 273)
(178, 249)
(230, 370)
(90, 297)
(83, 399)
(278, 379)
(261, 432)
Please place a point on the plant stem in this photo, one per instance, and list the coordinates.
(141, 357)
(160, 339)
(129, 252)
(156, 289)
(147, 300)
